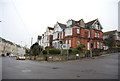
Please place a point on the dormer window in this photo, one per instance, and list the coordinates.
(69, 23)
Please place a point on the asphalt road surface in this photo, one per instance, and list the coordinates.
(100, 68)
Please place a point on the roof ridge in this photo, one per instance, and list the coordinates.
(61, 23)
(92, 20)
(110, 31)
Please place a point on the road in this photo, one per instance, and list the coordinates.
(100, 68)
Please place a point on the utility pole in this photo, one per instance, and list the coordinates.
(61, 43)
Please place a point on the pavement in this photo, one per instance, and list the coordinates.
(0, 68)
(101, 68)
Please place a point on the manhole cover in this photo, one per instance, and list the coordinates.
(55, 68)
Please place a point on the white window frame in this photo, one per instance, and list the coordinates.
(95, 34)
(55, 35)
(69, 23)
(78, 31)
(98, 35)
(88, 34)
(68, 31)
(88, 44)
(94, 44)
(69, 43)
(98, 45)
(62, 35)
(66, 42)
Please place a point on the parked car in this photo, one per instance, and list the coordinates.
(20, 57)
(12, 55)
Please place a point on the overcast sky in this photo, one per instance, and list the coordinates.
(24, 19)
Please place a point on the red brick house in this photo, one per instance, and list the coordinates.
(116, 36)
(79, 32)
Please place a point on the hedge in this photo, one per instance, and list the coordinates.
(54, 51)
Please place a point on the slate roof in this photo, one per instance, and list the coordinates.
(76, 22)
(63, 26)
(9, 42)
(89, 24)
(50, 28)
(108, 32)
(6, 41)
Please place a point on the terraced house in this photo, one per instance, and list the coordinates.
(7, 47)
(46, 38)
(78, 32)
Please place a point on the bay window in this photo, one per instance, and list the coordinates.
(68, 31)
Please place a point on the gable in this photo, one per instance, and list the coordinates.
(82, 24)
(57, 28)
(97, 25)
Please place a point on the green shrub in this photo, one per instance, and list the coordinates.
(44, 51)
(3, 55)
(97, 52)
(64, 52)
(73, 50)
(80, 46)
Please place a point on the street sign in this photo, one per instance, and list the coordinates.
(65, 46)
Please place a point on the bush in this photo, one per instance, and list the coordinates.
(44, 51)
(73, 50)
(2, 55)
(64, 51)
(54, 51)
(114, 49)
(97, 52)
(80, 46)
